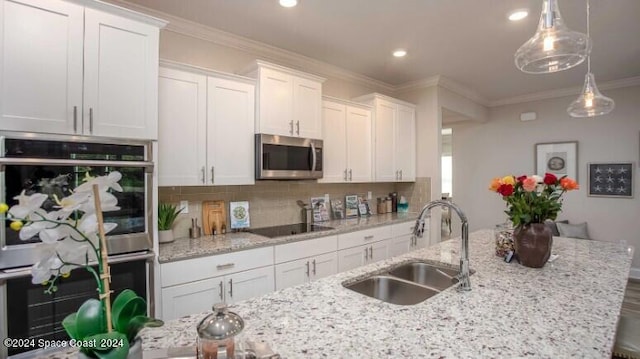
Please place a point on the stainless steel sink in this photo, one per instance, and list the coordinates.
(407, 284)
(430, 275)
(392, 290)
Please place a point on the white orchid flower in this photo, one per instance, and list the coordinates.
(108, 203)
(46, 267)
(103, 182)
(38, 221)
(73, 202)
(88, 226)
(74, 255)
(26, 204)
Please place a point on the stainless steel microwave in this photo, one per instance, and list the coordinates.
(283, 157)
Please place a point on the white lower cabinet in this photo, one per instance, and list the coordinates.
(358, 256)
(305, 261)
(195, 297)
(400, 245)
(305, 270)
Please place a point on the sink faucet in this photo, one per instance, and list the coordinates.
(464, 284)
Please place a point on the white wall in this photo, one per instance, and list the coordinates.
(505, 145)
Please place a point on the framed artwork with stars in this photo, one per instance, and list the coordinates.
(611, 179)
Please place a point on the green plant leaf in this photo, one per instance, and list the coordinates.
(70, 326)
(90, 319)
(125, 307)
(137, 323)
(116, 345)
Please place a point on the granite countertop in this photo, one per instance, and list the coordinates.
(185, 248)
(568, 309)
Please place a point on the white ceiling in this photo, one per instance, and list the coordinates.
(468, 41)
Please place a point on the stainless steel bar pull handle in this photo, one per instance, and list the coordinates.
(400, 175)
(221, 292)
(90, 120)
(291, 127)
(75, 119)
(203, 175)
(368, 238)
(350, 175)
(314, 267)
(298, 127)
(345, 174)
(397, 175)
(231, 287)
(366, 254)
(307, 268)
(212, 174)
(371, 252)
(225, 266)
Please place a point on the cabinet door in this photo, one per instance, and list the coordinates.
(324, 265)
(334, 146)
(405, 143)
(230, 133)
(351, 258)
(358, 137)
(191, 298)
(182, 122)
(385, 169)
(378, 251)
(275, 114)
(307, 108)
(249, 284)
(120, 77)
(41, 73)
(399, 245)
(292, 273)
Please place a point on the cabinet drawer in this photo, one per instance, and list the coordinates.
(190, 270)
(400, 229)
(292, 251)
(353, 239)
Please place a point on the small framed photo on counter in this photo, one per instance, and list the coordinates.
(351, 206)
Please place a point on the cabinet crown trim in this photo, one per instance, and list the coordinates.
(205, 71)
(268, 65)
(121, 11)
(346, 102)
(378, 96)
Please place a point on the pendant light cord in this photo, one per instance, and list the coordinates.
(588, 37)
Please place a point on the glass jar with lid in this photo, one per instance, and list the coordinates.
(217, 333)
(503, 235)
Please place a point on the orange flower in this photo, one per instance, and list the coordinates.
(568, 184)
(529, 184)
(495, 184)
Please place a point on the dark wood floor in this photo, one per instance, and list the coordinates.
(631, 303)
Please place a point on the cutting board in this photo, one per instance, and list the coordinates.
(213, 215)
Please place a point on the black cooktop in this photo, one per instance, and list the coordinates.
(288, 229)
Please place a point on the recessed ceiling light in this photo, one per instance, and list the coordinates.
(400, 53)
(518, 15)
(288, 3)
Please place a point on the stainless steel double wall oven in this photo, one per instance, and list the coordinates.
(55, 165)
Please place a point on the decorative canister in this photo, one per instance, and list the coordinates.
(503, 235)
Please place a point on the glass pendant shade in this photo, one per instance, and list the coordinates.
(553, 47)
(591, 102)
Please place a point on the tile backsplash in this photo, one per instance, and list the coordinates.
(274, 202)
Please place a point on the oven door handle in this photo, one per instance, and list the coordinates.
(4, 161)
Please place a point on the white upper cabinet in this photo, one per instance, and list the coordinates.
(204, 116)
(71, 69)
(182, 132)
(394, 128)
(347, 142)
(289, 101)
(42, 65)
(230, 139)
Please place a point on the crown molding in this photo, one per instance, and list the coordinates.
(568, 91)
(446, 83)
(264, 51)
(205, 71)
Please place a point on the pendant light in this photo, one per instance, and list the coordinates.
(591, 102)
(553, 47)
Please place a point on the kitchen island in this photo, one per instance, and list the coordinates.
(568, 309)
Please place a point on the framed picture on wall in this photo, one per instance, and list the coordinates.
(559, 158)
(611, 179)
